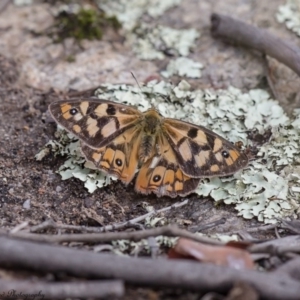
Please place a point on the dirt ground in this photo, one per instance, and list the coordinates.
(33, 72)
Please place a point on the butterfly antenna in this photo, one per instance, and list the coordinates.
(136, 81)
(139, 86)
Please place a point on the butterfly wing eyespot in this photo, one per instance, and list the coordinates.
(96, 122)
(201, 152)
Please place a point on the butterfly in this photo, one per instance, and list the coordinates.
(171, 155)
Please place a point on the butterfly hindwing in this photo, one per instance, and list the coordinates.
(96, 122)
(119, 158)
(201, 152)
(164, 179)
(162, 175)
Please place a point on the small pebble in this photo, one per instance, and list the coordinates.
(88, 202)
(58, 189)
(26, 204)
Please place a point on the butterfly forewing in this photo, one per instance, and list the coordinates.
(201, 152)
(95, 122)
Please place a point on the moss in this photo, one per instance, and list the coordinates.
(70, 58)
(85, 24)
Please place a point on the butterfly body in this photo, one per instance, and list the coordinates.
(150, 128)
(171, 155)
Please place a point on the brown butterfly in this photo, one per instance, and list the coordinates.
(172, 155)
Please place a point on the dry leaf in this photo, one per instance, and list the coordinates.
(219, 255)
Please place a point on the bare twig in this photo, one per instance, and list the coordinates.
(277, 233)
(290, 255)
(171, 231)
(280, 246)
(18, 289)
(141, 271)
(19, 227)
(245, 233)
(282, 250)
(293, 226)
(208, 226)
(246, 236)
(258, 39)
(291, 268)
(50, 224)
(268, 73)
(261, 228)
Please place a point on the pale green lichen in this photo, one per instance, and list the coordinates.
(156, 42)
(150, 41)
(289, 13)
(122, 247)
(75, 166)
(130, 13)
(22, 2)
(183, 66)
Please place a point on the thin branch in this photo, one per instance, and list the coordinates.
(142, 271)
(281, 250)
(261, 228)
(17, 289)
(246, 236)
(268, 73)
(245, 233)
(208, 225)
(281, 246)
(171, 231)
(258, 39)
(292, 226)
(50, 224)
(277, 233)
(19, 227)
(292, 268)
